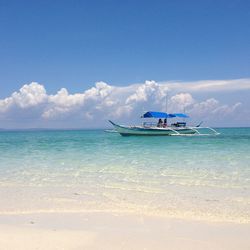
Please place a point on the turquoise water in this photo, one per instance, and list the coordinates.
(205, 177)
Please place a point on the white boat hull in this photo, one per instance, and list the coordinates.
(139, 130)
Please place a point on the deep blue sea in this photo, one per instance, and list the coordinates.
(200, 177)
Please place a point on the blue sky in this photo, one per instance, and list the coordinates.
(74, 44)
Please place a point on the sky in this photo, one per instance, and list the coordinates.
(98, 60)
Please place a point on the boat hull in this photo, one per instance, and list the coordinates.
(136, 130)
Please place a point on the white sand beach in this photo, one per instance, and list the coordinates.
(77, 231)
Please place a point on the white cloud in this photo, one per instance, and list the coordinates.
(103, 102)
(205, 107)
(150, 90)
(210, 85)
(29, 95)
(181, 101)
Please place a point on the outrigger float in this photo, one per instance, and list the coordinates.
(160, 128)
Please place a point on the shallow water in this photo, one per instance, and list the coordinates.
(205, 177)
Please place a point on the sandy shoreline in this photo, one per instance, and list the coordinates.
(117, 231)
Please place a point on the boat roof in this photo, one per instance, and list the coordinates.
(155, 114)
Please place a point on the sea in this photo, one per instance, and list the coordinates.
(191, 177)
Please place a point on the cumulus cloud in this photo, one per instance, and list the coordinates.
(150, 90)
(181, 101)
(29, 95)
(104, 101)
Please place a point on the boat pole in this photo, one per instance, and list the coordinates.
(166, 106)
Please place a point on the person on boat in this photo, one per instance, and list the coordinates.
(165, 123)
(160, 123)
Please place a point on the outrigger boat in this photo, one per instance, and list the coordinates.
(153, 128)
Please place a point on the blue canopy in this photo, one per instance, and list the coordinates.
(153, 114)
(181, 115)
